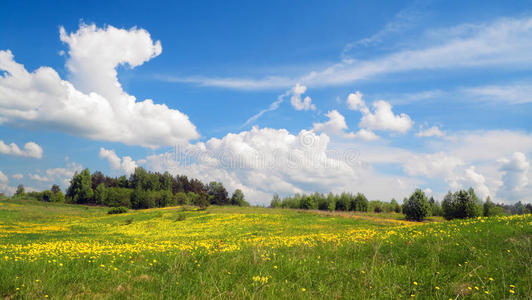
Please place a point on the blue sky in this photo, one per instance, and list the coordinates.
(428, 94)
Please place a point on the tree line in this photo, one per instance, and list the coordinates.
(458, 205)
(143, 189)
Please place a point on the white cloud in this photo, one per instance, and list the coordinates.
(432, 165)
(337, 126)
(126, 164)
(355, 102)
(59, 176)
(31, 149)
(17, 176)
(264, 161)
(383, 118)
(297, 103)
(3, 178)
(430, 132)
(4, 186)
(503, 42)
(514, 174)
(94, 105)
(273, 106)
(38, 177)
(513, 93)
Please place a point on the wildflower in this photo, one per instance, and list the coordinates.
(512, 286)
(415, 282)
(303, 289)
(486, 292)
(437, 287)
(469, 288)
(476, 288)
(512, 291)
(490, 279)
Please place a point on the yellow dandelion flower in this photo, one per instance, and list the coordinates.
(512, 291)
(415, 282)
(490, 279)
(476, 288)
(303, 289)
(512, 286)
(437, 287)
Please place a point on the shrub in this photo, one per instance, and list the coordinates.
(416, 208)
(117, 210)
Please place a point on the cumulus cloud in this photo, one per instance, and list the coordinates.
(262, 161)
(432, 165)
(477, 181)
(17, 176)
(383, 118)
(295, 99)
(31, 149)
(38, 177)
(3, 178)
(430, 132)
(58, 175)
(337, 126)
(355, 102)
(93, 104)
(4, 185)
(125, 164)
(514, 174)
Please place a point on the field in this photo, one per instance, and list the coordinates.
(59, 251)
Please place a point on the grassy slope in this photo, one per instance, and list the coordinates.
(67, 251)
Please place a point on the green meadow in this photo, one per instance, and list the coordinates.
(62, 251)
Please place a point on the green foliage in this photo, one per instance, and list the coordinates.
(216, 194)
(416, 208)
(460, 205)
(117, 196)
(490, 209)
(101, 194)
(276, 201)
(80, 189)
(343, 202)
(202, 200)
(359, 202)
(117, 210)
(238, 198)
(395, 206)
(20, 191)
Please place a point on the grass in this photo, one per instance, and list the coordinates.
(67, 251)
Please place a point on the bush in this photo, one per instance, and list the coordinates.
(117, 210)
(416, 208)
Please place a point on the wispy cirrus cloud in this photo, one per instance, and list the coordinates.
(503, 42)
